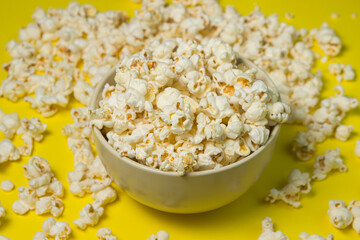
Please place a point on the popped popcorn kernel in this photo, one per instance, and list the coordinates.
(161, 235)
(268, 231)
(339, 216)
(7, 185)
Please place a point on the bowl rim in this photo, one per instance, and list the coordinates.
(99, 136)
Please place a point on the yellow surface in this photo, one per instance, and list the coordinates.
(242, 218)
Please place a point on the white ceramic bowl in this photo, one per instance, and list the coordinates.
(193, 193)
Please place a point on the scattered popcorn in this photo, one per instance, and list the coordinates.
(342, 71)
(2, 212)
(189, 72)
(289, 15)
(343, 132)
(105, 234)
(8, 151)
(339, 215)
(9, 124)
(323, 123)
(335, 15)
(306, 236)
(268, 231)
(290, 194)
(357, 148)
(161, 235)
(331, 160)
(55, 229)
(45, 191)
(354, 207)
(90, 215)
(7, 185)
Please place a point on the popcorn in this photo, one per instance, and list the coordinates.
(357, 148)
(27, 201)
(354, 207)
(290, 194)
(343, 132)
(174, 110)
(89, 215)
(7, 185)
(105, 234)
(331, 160)
(268, 231)
(40, 236)
(2, 237)
(328, 41)
(48, 204)
(339, 216)
(31, 130)
(342, 71)
(161, 235)
(306, 236)
(9, 124)
(83, 92)
(2, 212)
(55, 229)
(8, 151)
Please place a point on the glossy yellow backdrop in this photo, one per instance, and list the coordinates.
(241, 219)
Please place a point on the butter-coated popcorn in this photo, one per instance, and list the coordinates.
(306, 236)
(105, 234)
(160, 235)
(339, 216)
(290, 194)
(56, 229)
(7, 185)
(231, 103)
(89, 215)
(8, 151)
(9, 123)
(268, 231)
(331, 160)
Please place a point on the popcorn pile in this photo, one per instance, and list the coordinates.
(299, 183)
(183, 106)
(44, 192)
(30, 130)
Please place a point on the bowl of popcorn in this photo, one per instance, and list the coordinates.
(185, 127)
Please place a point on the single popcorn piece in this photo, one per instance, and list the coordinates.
(40, 236)
(354, 207)
(55, 229)
(191, 98)
(335, 15)
(290, 194)
(339, 216)
(90, 215)
(357, 148)
(2, 212)
(328, 41)
(8, 151)
(27, 201)
(327, 162)
(343, 132)
(306, 236)
(268, 231)
(49, 204)
(9, 124)
(342, 71)
(105, 234)
(7, 185)
(31, 130)
(161, 235)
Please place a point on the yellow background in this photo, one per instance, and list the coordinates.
(242, 218)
